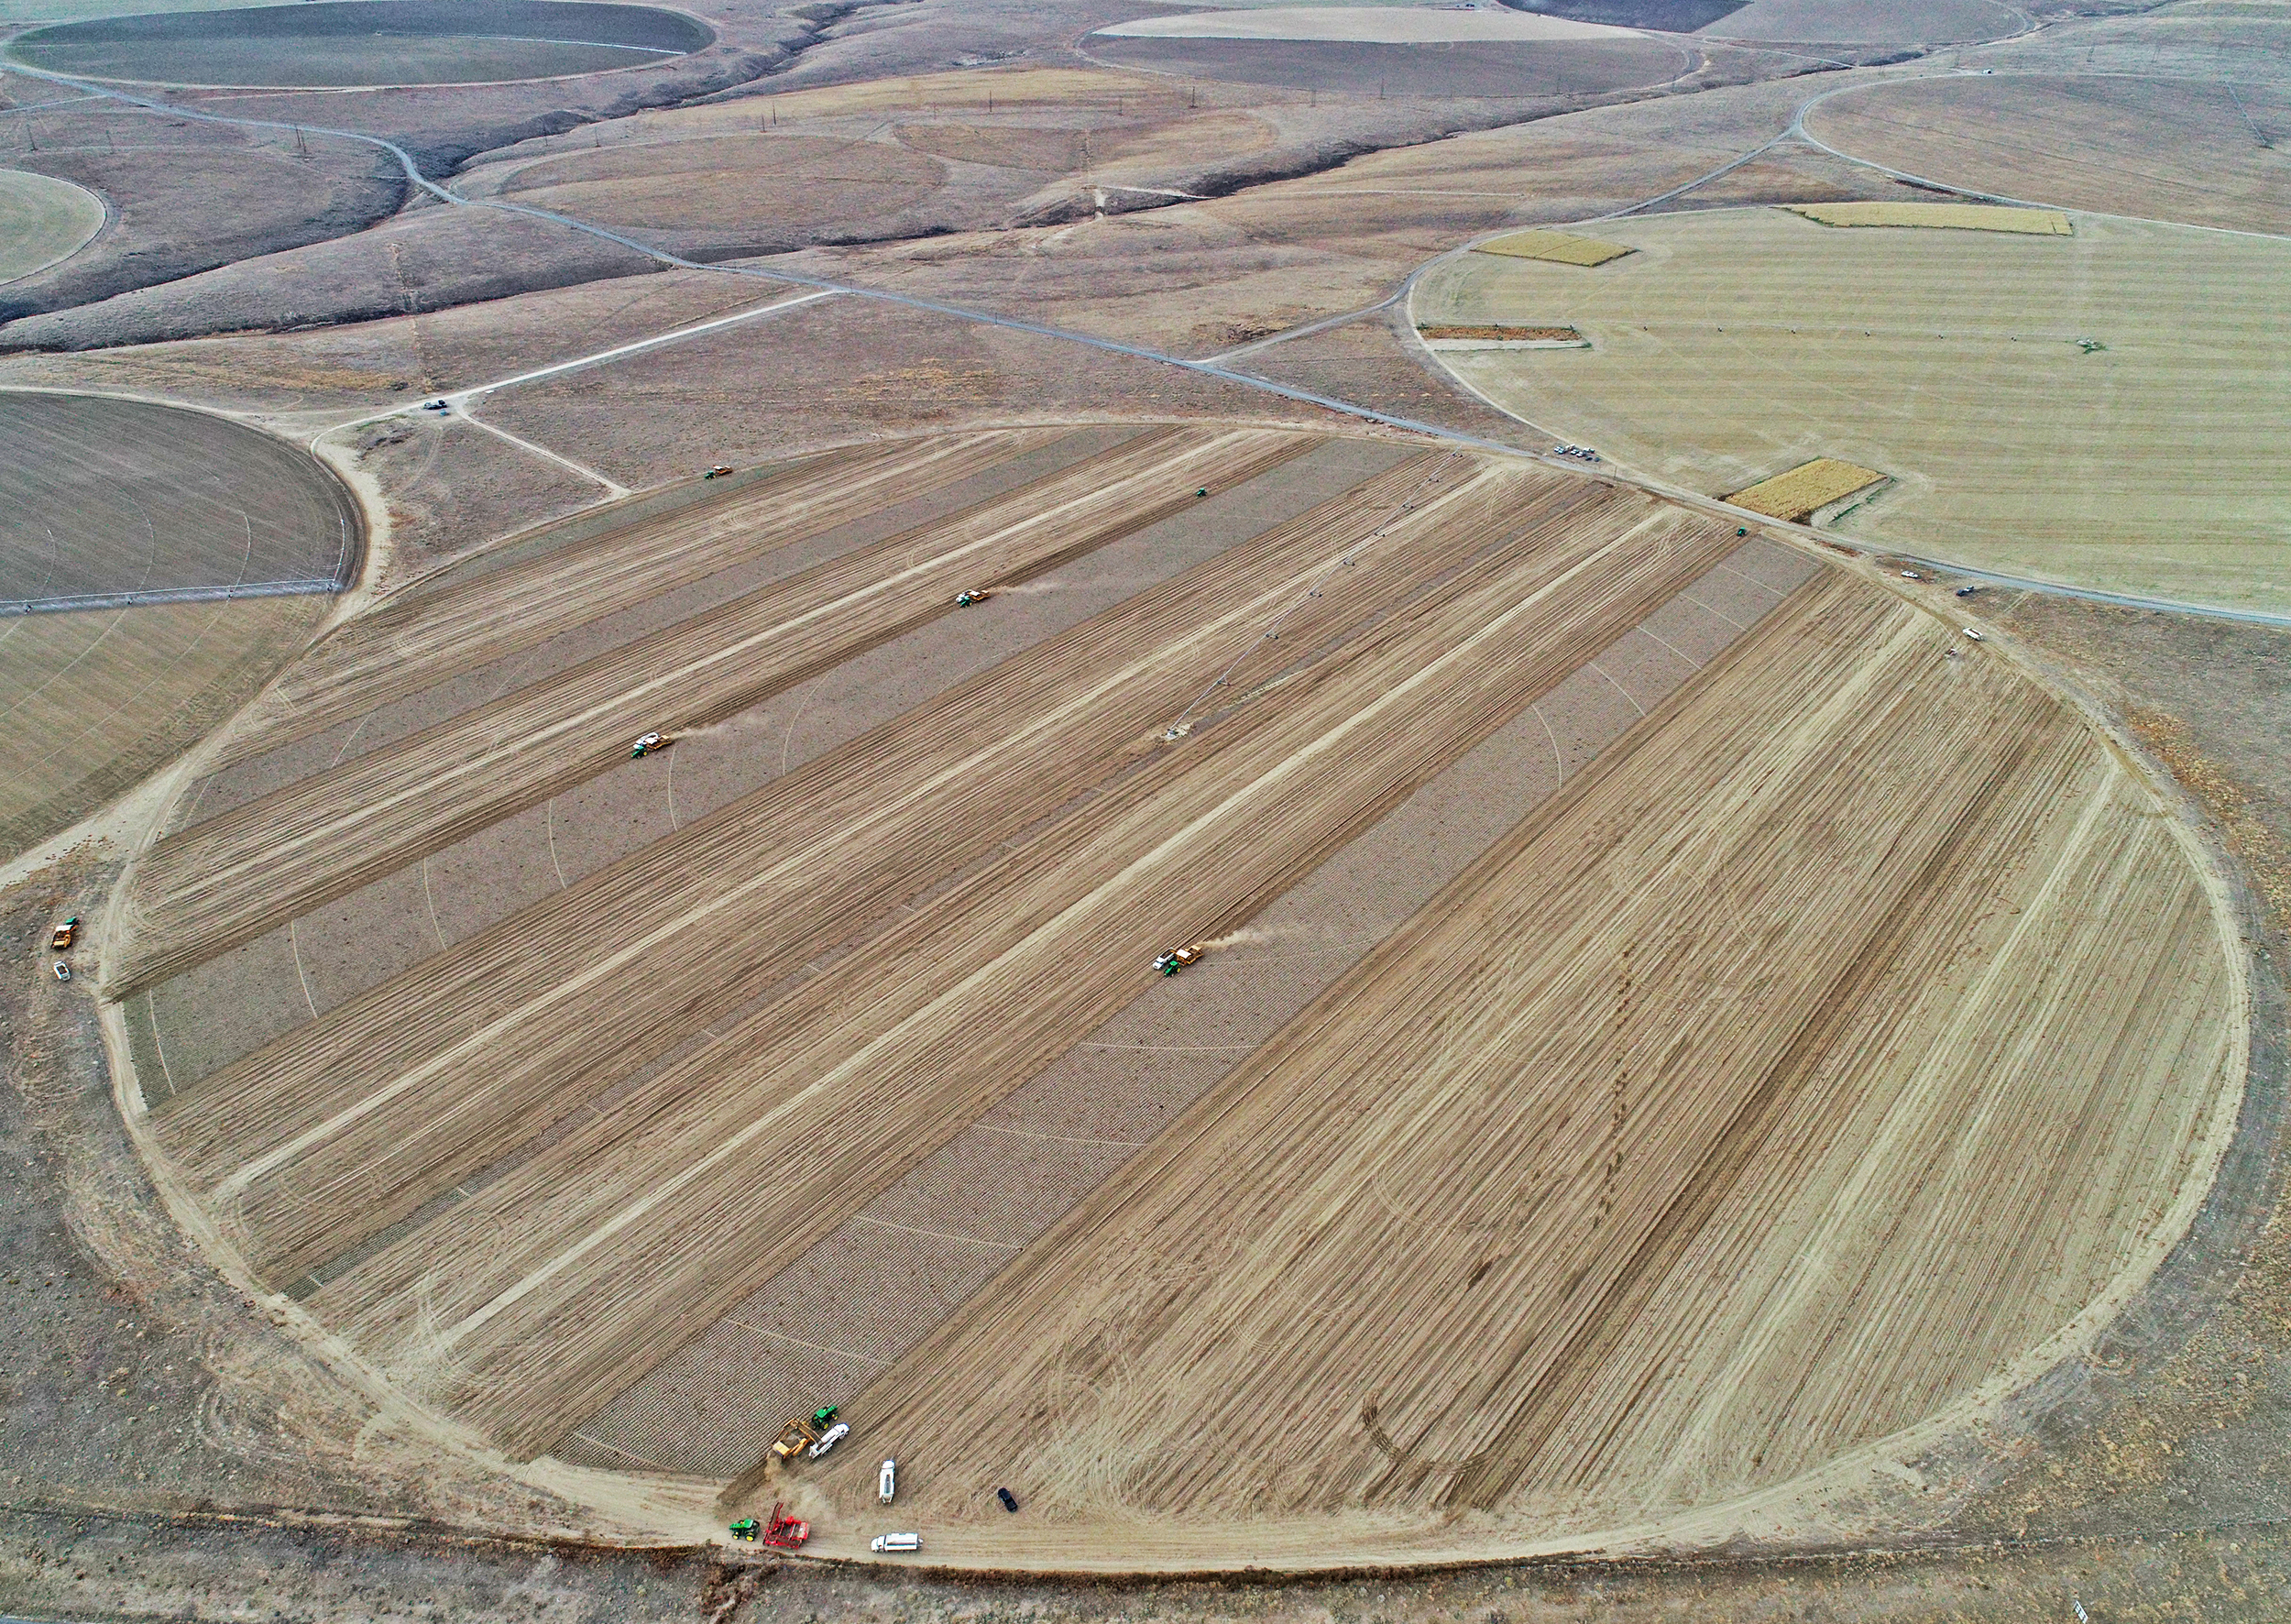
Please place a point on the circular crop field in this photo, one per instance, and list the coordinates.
(357, 42)
(2099, 411)
(1396, 51)
(1628, 956)
(792, 180)
(129, 535)
(43, 222)
(1460, 68)
(103, 496)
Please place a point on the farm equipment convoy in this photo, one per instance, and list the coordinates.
(783, 1532)
(804, 1435)
(1180, 958)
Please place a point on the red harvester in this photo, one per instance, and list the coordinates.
(785, 1533)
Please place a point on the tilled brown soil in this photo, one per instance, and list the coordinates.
(833, 1087)
(207, 888)
(1550, 1247)
(304, 966)
(824, 1327)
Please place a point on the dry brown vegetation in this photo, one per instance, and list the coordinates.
(1501, 333)
(1939, 216)
(1563, 247)
(2167, 148)
(1801, 490)
(2230, 805)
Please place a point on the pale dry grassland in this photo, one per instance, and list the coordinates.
(2151, 466)
(2205, 151)
(1201, 277)
(866, 152)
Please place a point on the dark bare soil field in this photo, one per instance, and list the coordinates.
(103, 496)
(358, 42)
(1671, 16)
(1868, 22)
(1545, 67)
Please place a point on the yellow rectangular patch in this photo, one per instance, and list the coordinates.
(1792, 495)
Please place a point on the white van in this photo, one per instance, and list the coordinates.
(887, 1481)
(882, 1542)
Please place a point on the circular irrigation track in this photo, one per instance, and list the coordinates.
(366, 42)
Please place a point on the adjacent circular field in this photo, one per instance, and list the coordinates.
(790, 181)
(101, 498)
(1868, 22)
(361, 42)
(107, 495)
(43, 222)
(2194, 151)
(2102, 408)
(1398, 51)
(1469, 68)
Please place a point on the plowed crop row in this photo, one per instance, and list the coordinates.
(1825, 1048)
(349, 1123)
(200, 892)
(525, 1307)
(426, 634)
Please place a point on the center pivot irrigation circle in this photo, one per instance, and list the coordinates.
(347, 43)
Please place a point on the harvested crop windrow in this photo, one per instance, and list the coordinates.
(197, 892)
(525, 1307)
(1683, 1144)
(1502, 333)
(1939, 216)
(348, 1123)
(1560, 247)
(420, 636)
